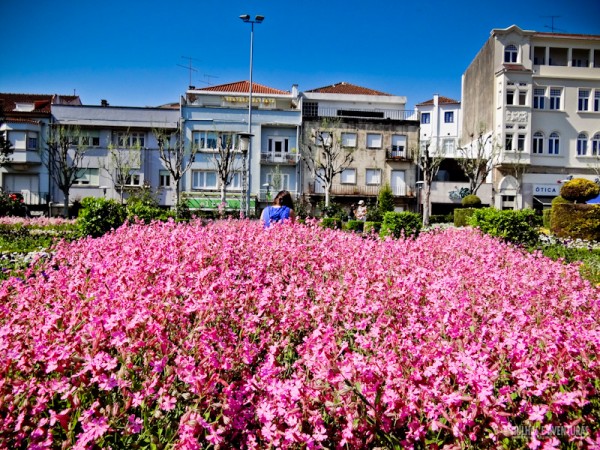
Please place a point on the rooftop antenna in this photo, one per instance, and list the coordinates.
(189, 67)
(207, 79)
(552, 27)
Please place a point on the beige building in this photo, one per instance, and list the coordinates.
(536, 95)
(376, 129)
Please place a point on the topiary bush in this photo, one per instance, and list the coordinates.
(546, 215)
(401, 224)
(99, 215)
(518, 227)
(575, 220)
(471, 201)
(461, 216)
(579, 190)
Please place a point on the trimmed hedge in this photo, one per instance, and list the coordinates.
(331, 222)
(461, 216)
(579, 190)
(354, 225)
(371, 227)
(518, 227)
(575, 220)
(401, 224)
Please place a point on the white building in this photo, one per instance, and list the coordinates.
(538, 95)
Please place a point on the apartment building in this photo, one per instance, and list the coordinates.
(120, 150)
(25, 125)
(218, 116)
(536, 95)
(379, 132)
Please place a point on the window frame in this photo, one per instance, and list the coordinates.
(448, 116)
(583, 100)
(425, 118)
(596, 144)
(555, 100)
(538, 143)
(378, 176)
(204, 185)
(348, 171)
(372, 145)
(164, 178)
(554, 143)
(348, 142)
(92, 179)
(539, 98)
(511, 54)
(582, 144)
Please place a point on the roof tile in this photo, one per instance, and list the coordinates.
(244, 87)
(441, 101)
(346, 88)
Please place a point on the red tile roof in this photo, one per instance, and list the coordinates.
(346, 88)
(516, 67)
(244, 87)
(441, 101)
(41, 102)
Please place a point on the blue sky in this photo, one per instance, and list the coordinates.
(131, 52)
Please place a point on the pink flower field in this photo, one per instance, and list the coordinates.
(226, 335)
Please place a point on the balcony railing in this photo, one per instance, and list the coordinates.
(281, 158)
(397, 155)
(372, 114)
(401, 190)
(31, 198)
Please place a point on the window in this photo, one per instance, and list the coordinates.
(596, 145)
(235, 184)
(348, 139)
(202, 179)
(324, 138)
(310, 109)
(279, 145)
(87, 177)
(204, 140)
(521, 142)
(374, 140)
(510, 53)
(584, 100)
(130, 139)
(448, 146)
(398, 145)
(538, 142)
(597, 100)
(425, 117)
(32, 140)
(522, 97)
(510, 97)
(164, 178)
(133, 179)
(508, 141)
(449, 117)
(582, 141)
(555, 95)
(373, 176)
(539, 95)
(554, 144)
(348, 176)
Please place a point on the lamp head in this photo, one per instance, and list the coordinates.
(245, 17)
(259, 19)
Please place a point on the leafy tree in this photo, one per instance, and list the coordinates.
(324, 155)
(176, 158)
(429, 160)
(477, 159)
(65, 157)
(385, 199)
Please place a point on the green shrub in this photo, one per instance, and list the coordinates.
(441, 218)
(462, 215)
(575, 220)
(99, 215)
(579, 190)
(385, 199)
(471, 201)
(354, 225)
(518, 227)
(331, 222)
(400, 224)
(371, 227)
(546, 214)
(12, 205)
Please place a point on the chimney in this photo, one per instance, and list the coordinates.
(104, 102)
(294, 90)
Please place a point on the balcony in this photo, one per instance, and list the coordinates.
(401, 190)
(368, 114)
(280, 158)
(25, 157)
(399, 155)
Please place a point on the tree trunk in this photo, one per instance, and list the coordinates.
(66, 205)
(427, 195)
(327, 189)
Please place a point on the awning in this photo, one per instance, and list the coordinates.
(543, 200)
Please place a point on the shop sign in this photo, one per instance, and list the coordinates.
(546, 189)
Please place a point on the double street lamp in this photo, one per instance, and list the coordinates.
(257, 19)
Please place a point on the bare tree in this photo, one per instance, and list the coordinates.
(65, 157)
(176, 158)
(225, 160)
(428, 160)
(477, 159)
(124, 158)
(324, 155)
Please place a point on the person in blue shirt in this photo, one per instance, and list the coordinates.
(281, 209)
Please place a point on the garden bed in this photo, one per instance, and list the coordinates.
(194, 336)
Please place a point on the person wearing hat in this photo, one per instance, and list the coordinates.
(361, 211)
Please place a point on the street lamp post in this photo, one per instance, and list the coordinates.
(257, 19)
